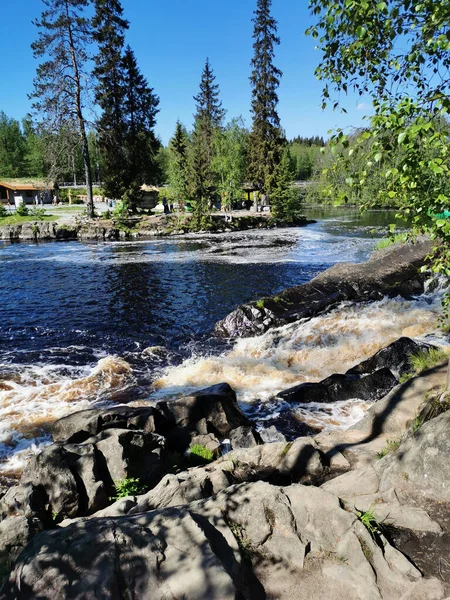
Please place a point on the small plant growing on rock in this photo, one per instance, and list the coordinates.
(200, 455)
(369, 520)
(391, 446)
(128, 487)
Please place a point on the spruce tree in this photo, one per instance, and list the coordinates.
(266, 138)
(178, 164)
(60, 91)
(208, 118)
(282, 198)
(109, 33)
(141, 144)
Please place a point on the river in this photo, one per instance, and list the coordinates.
(86, 324)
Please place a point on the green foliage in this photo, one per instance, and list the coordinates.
(266, 138)
(391, 446)
(12, 147)
(64, 36)
(370, 521)
(435, 405)
(128, 487)
(230, 161)
(3, 212)
(22, 210)
(37, 213)
(200, 455)
(426, 359)
(399, 53)
(202, 180)
(282, 198)
(178, 166)
(304, 158)
(389, 241)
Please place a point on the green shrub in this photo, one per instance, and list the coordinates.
(37, 213)
(128, 487)
(200, 454)
(22, 210)
(3, 211)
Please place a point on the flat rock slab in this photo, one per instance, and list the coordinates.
(252, 541)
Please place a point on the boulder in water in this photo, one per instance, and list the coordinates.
(390, 272)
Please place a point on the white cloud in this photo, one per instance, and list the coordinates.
(362, 106)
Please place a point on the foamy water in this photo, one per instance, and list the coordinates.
(32, 398)
(260, 367)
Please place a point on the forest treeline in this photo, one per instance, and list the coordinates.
(85, 61)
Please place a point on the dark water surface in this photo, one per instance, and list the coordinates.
(115, 297)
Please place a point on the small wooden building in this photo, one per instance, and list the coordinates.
(16, 191)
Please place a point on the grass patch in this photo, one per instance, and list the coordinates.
(391, 446)
(16, 219)
(389, 241)
(422, 361)
(200, 454)
(260, 303)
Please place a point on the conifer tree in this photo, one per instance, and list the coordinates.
(109, 33)
(141, 144)
(266, 139)
(208, 118)
(60, 85)
(282, 194)
(178, 165)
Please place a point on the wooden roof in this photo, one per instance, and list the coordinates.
(26, 184)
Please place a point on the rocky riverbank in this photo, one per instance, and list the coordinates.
(319, 517)
(146, 227)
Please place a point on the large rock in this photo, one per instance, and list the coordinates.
(81, 425)
(51, 470)
(370, 387)
(78, 479)
(408, 492)
(253, 541)
(212, 410)
(394, 357)
(390, 272)
(131, 454)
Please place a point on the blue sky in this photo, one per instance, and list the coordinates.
(172, 39)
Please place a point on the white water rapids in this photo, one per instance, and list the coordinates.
(257, 368)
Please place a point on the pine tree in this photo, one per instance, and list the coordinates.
(266, 138)
(208, 118)
(109, 33)
(140, 143)
(178, 164)
(60, 85)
